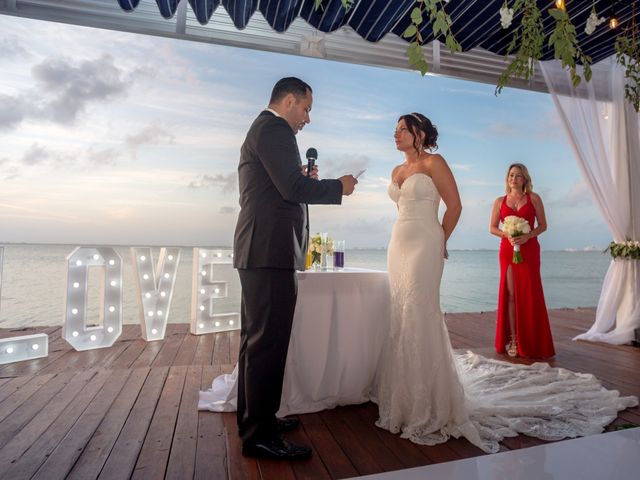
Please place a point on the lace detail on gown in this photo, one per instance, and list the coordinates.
(428, 393)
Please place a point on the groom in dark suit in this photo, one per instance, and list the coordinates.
(270, 244)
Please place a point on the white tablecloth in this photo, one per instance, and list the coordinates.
(340, 323)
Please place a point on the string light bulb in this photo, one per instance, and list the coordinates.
(613, 22)
(560, 4)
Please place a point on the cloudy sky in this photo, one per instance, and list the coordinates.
(116, 138)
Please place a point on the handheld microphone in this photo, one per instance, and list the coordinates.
(312, 156)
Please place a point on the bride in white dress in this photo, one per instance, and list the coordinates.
(423, 389)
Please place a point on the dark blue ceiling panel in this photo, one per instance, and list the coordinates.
(475, 23)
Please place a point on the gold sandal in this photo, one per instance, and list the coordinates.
(512, 348)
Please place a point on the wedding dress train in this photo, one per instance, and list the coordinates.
(428, 393)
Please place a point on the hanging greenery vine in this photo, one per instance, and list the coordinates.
(527, 42)
(440, 25)
(628, 55)
(530, 34)
(565, 45)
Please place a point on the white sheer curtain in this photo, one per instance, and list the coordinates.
(602, 128)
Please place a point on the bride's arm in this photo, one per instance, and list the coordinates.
(448, 190)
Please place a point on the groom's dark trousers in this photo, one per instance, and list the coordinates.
(270, 244)
(268, 303)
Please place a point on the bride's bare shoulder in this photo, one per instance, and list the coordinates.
(434, 163)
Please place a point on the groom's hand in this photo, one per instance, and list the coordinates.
(314, 172)
(348, 184)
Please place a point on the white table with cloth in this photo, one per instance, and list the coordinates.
(340, 323)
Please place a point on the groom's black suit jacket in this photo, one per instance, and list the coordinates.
(272, 228)
(270, 243)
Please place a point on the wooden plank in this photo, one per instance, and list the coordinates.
(630, 415)
(221, 349)
(14, 385)
(365, 431)
(326, 447)
(438, 453)
(73, 360)
(22, 394)
(61, 460)
(124, 454)
(183, 448)
(170, 348)
(148, 354)
(187, 350)
(403, 449)
(312, 468)
(30, 461)
(94, 455)
(275, 469)
(129, 335)
(364, 461)
(152, 462)
(211, 455)
(240, 467)
(133, 351)
(22, 415)
(465, 449)
(30, 431)
(204, 351)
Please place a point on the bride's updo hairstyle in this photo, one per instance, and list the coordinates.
(416, 122)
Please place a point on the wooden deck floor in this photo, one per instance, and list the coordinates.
(129, 411)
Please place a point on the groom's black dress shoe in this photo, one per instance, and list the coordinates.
(286, 424)
(277, 448)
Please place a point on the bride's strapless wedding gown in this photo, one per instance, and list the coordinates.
(428, 393)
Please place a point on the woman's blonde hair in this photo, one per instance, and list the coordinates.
(528, 186)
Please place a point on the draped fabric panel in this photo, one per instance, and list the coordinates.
(603, 130)
(476, 23)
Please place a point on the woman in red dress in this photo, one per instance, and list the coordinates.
(523, 323)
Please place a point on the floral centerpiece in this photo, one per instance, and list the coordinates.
(516, 226)
(629, 250)
(316, 246)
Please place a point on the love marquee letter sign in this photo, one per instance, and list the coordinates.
(211, 310)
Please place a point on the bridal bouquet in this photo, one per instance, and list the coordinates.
(316, 245)
(516, 226)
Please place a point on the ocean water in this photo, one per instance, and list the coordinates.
(33, 282)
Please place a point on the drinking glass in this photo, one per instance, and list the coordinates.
(323, 250)
(338, 254)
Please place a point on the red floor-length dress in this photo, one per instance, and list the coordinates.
(533, 333)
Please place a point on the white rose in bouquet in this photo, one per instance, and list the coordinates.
(516, 226)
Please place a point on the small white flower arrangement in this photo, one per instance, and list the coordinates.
(593, 21)
(629, 250)
(516, 226)
(506, 15)
(315, 248)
